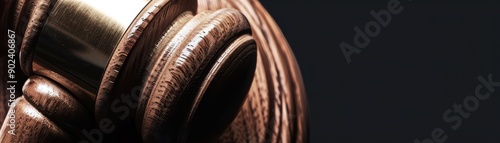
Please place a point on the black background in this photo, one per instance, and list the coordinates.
(397, 89)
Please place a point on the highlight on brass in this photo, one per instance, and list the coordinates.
(148, 71)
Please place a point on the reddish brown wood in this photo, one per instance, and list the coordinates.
(276, 110)
(32, 126)
(216, 71)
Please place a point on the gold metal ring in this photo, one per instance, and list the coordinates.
(79, 38)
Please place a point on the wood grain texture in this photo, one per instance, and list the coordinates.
(276, 109)
(222, 92)
(75, 89)
(159, 56)
(132, 52)
(126, 67)
(38, 16)
(165, 110)
(15, 16)
(32, 126)
(219, 72)
(56, 103)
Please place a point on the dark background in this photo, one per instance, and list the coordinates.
(397, 89)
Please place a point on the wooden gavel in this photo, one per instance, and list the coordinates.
(152, 71)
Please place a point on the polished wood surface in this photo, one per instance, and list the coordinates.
(56, 103)
(32, 126)
(184, 71)
(276, 109)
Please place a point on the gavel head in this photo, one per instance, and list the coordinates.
(157, 70)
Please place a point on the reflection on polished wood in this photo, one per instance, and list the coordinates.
(32, 126)
(276, 109)
(155, 71)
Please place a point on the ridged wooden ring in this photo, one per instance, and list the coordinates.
(135, 46)
(187, 61)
